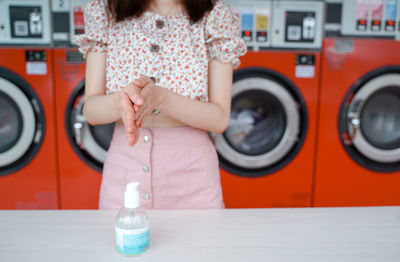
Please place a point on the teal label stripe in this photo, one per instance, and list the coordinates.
(135, 244)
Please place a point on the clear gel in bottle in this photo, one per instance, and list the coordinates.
(132, 227)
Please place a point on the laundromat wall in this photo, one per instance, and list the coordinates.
(315, 115)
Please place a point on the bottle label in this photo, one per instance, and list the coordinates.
(132, 241)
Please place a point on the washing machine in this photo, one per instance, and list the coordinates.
(82, 148)
(358, 153)
(28, 162)
(267, 152)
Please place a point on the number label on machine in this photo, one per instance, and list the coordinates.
(305, 66)
(36, 62)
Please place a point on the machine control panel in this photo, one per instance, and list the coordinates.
(61, 25)
(68, 16)
(375, 18)
(77, 23)
(24, 22)
(297, 24)
(254, 17)
(300, 26)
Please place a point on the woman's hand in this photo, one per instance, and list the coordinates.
(152, 97)
(126, 99)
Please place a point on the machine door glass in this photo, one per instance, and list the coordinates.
(90, 142)
(19, 131)
(265, 126)
(373, 119)
(257, 124)
(10, 123)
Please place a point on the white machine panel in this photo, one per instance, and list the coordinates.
(255, 21)
(297, 24)
(77, 23)
(370, 17)
(25, 22)
(61, 25)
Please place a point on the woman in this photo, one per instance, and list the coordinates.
(161, 69)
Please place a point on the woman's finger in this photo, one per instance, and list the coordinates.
(136, 108)
(128, 112)
(133, 93)
(139, 116)
(127, 118)
(146, 79)
(143, 80)
(135, 137)
(146, 112)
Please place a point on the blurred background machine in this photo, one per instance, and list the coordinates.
(358, 155)
(267, 152)
(28, 166)
(82, 147)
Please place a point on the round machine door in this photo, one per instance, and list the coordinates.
(370, 121)
(267, 126)
(89, 142)
(21, 123)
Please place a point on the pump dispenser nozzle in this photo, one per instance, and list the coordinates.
(132, 195)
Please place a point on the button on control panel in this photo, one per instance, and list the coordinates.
(36, 56)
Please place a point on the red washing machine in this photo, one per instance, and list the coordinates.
(28, 167)
(82, 148)
(358, 154)
(267, 152)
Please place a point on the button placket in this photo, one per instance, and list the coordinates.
(147, 187)
(155, 48)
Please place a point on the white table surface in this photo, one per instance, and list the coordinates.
(273, 235)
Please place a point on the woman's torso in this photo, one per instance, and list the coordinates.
(169, 49)
(172, 49)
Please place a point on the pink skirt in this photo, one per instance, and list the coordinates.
(177, 168)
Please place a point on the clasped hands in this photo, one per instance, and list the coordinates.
(136, 101)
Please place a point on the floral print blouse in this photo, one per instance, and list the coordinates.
(170, 49)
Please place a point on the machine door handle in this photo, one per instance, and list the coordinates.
(354, 127)
(353, 118)
(78, 129)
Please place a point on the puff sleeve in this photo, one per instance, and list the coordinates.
(222, 35)
(95, 37)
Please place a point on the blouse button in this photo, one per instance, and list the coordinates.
(154, 48)
(160, 24)
(146, 196)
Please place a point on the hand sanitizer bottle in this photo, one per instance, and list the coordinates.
(132, 228)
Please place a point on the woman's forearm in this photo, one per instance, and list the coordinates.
(101, 109)
(207, 116)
